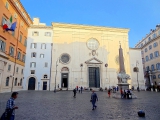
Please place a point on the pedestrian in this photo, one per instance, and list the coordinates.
(109, 93)
(58, 86)
(121, 93)
(74, 91)
(77, 88)
(94, 98)
(117, 88)
(124, 94)
(9, 113)
(81, 89)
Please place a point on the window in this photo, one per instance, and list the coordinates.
(17, 69)
(150, 47)
(35, 33)
(47, 34)
(143, 61)
(151, 56)
(19, 56)
(147, 58)
(21, 82)
(149, 38)
(159, 32)
(17, 5)
(152, 67)
(25, 42)
(45, 76)
(158, 66)
(141, 44)
(33, 55)
(7, 5)
(41, 55)
(156, 54)
(23, 58)
(43, 46)
(155, 44)
(9, 67)
(146, 50)
(4, 21)
(2, 46)
(7, 81)
(20, 38)
(33, 45)
(154, 35)
(154, 76)
(11, 51)
(147, 68)
(15, 82)
(159, 76)
(32, 64)
(32, 71)
(13, 33)
(22, 71)
(46, 64)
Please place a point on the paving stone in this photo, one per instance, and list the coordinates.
(45, 105)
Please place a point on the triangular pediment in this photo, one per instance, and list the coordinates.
(93, 61)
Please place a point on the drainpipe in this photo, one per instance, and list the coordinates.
(50, 68)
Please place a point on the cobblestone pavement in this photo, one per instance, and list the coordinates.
(45, 105)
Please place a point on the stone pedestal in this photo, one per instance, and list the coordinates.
(124, 86)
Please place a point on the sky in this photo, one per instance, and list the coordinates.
(138, 15)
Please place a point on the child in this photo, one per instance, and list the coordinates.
(109, 93)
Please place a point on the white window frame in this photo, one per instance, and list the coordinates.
(7, 5)
(9, 67)
(2, 46)
(41, 55)
(43, 46)
(32, 71)
(35, 33)
(19, 56)
(17, 69)
(33, 45)
(33, 54)
(48, 34)
(33, 65)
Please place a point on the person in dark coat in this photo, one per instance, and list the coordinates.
(94, 98)
(74, 91)
(81, 89)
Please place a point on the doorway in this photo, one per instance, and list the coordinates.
(44, 85)
(94, 77)
(31, 83)
(64, 81)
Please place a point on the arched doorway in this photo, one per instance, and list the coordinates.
(31, 83)
(64, 77)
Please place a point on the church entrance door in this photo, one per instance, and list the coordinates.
(94, 77)
(64, 81)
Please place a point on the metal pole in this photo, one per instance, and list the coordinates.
(56, 75)
(137, 76)
(15, 58)
(50, 68)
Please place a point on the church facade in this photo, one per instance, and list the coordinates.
(88, 56)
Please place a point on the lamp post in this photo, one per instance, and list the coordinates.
(137, 74)
(106, 65)
(56, 74)
(81, 65)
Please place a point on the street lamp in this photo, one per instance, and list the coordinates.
(136, 69)
(58, 59)
(106, 65)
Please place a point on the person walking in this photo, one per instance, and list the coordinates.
(94, 98)
(9, 113)
(74, 92)
(81, 89)
(121, 93)
(109, 93)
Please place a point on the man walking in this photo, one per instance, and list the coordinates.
(81, 89)
(74, 91)
(10, 107)
(94, 98)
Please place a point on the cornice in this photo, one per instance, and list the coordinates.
(41, 27)
(87, 27)
(150, 42)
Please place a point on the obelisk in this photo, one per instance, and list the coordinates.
(121, 60)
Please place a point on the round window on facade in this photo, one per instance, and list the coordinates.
(65, 58)
(92, 44)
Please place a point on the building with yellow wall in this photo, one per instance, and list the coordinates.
(13, 45)
(88, 56)
(150, 49)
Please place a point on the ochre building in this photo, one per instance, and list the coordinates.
(13, 45)
(88, 56)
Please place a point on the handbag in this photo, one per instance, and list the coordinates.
(90, 100)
